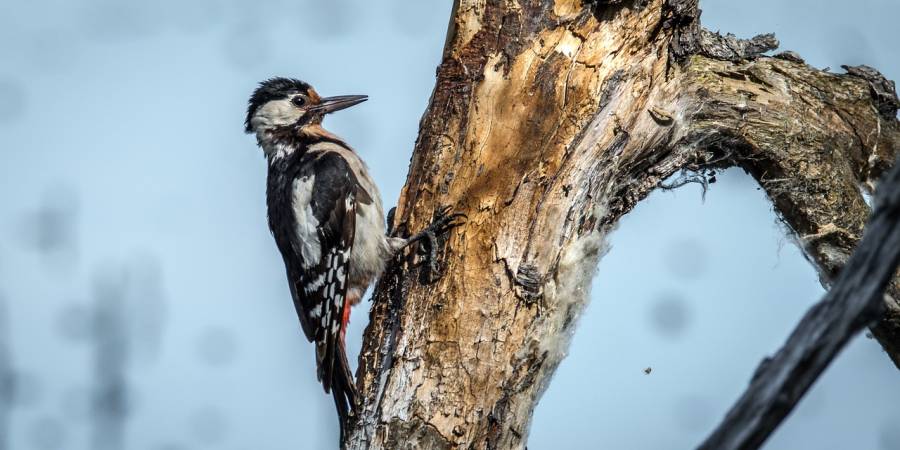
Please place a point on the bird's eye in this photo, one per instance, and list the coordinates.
(298, 101)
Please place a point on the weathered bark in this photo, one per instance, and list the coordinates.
(548, 122)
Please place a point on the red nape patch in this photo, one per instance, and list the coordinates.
(346, 319)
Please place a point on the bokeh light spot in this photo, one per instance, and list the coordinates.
(50, 229)
(670, 315)
(217, 346)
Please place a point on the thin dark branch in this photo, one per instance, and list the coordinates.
(855, 300)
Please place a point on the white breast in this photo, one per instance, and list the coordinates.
(370, 245)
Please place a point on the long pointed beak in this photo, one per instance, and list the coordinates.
(337, 103)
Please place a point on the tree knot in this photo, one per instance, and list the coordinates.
(529, 284)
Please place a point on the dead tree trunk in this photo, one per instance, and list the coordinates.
(548, 122)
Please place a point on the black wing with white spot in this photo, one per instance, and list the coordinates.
(326, 227)
(312, 213)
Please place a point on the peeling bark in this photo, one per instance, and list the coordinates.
(548, 122)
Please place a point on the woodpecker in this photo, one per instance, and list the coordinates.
(326, 216)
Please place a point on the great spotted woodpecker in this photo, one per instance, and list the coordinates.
(326, 216)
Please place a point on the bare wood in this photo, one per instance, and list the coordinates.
(548, 122)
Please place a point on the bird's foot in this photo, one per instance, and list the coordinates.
(442, 222)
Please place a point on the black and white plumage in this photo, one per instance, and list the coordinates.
(326, 216)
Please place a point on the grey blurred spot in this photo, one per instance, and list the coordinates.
(686, 258)
(409, 18)
(329, 19)
(145, 305)
(129, 313)
(113, 400)
(24, 389)
(246, 47)
(109, 289)
(889, 434)
(51, 228)
(75, 403)
(46, 433)
(693, 413)
(217, 346)
(74, 322)
(208, 425)
(12, 101)
(670, 315)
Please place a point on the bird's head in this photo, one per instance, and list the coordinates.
(288, 102)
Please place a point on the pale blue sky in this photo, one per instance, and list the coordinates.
(123, 157)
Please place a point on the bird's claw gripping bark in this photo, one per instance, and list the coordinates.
(442, 222)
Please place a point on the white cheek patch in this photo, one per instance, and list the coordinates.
(275, 113)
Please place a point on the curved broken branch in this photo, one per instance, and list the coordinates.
(855, 300)
(816, 142)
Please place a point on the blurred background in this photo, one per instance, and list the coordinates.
(142, 300)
